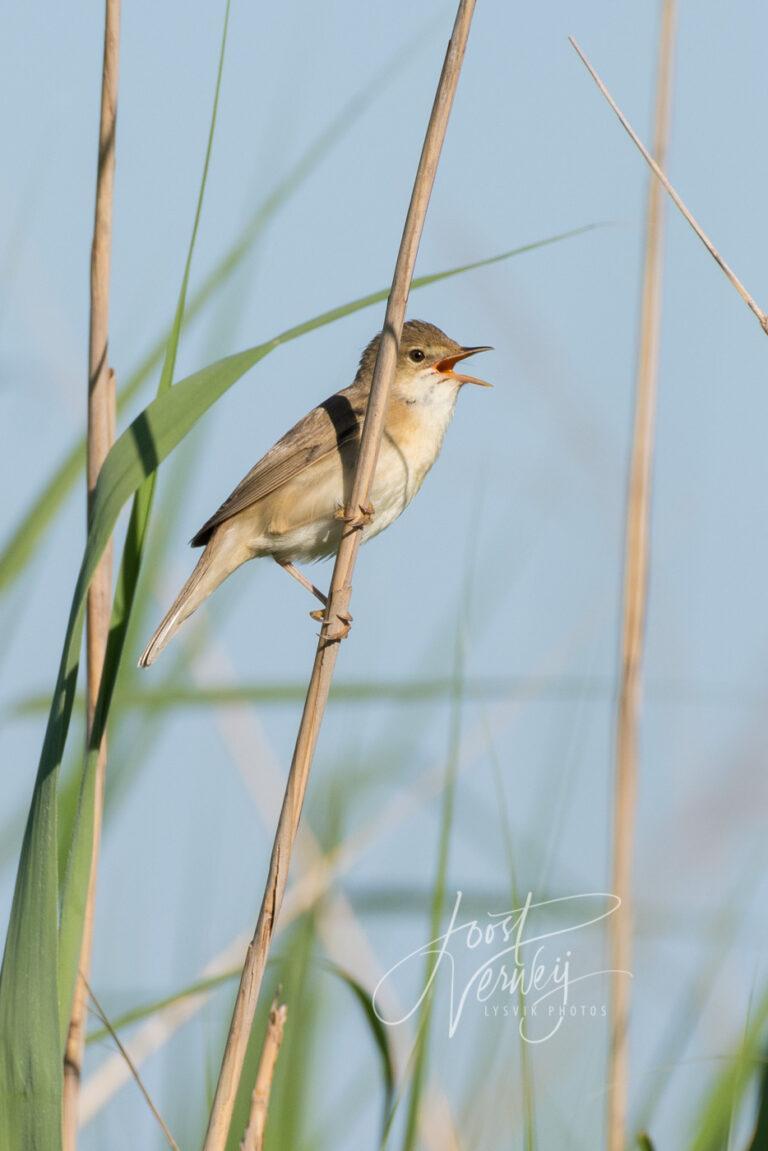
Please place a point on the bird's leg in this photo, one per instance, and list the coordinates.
(358, 519)
(341, 629)
(305, 583)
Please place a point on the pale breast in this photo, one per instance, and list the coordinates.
(409, 447)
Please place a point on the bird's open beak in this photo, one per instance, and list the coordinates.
(446, 366)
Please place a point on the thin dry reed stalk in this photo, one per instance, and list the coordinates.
(340, 593)
(675, 196)
(131, 1067)
(253, 1139)
(636, 566)
(101, 434)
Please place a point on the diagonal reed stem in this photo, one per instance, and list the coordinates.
(131, 1067)
(101, 435)
(674, 195)
(340, 594)
(636, 565)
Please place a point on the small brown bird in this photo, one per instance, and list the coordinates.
(291, 504)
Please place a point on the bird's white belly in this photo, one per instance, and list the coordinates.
(319, 535)
(311, 529)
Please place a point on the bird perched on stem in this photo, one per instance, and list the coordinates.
(292, 505)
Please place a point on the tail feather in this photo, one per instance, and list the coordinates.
(213, 567)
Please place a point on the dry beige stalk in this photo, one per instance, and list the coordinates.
(338, 602)
(748, 299)
(253, 1140)
(636, 562)
(101, 434)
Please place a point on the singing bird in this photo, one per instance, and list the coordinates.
(291, 505)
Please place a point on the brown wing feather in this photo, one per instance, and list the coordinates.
(325, 429)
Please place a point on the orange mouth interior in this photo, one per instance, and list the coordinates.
(446, 365)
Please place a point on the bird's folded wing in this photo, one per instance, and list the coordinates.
(327, 428)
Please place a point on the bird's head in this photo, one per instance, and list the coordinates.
(426, 357)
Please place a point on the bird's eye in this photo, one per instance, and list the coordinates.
(416, 355)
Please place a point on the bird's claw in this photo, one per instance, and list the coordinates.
(358, 519)
(341, 630)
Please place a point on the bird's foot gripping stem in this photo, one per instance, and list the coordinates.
(335, 632)
(336, 620)
(356, 519)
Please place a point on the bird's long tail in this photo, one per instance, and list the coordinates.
(218, 561)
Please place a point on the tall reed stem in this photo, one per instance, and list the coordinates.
(339, 598)
(636, 565)
(101, 434)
